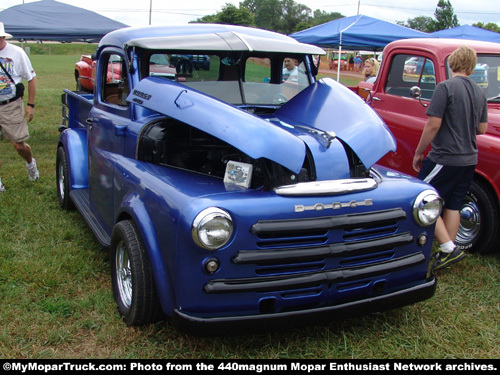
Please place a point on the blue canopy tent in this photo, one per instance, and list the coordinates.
(52, 20)
(356, 32)
(468, 32)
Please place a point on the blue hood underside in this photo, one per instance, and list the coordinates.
(325, 106)
(330, 106)
(253, 136)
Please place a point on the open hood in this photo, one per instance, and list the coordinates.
(330, 106)
(250, 134)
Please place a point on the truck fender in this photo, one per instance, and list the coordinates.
(133, 207)
(74, 142)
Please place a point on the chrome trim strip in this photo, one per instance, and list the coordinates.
(331, 187)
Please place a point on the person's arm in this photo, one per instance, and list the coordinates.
(430, 130)
(483, 126)
(29, 112)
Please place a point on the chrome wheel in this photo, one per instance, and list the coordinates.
(470, 222)
(134, 289)
(479, 230)
(123, 275)
(62, 179)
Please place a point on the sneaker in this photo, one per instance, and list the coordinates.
(32, 171)
(444, 260)
(2, 188)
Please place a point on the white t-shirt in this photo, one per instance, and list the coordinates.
(371, 79)
(17, 63)
(290, 75)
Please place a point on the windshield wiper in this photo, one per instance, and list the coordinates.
(494, 99)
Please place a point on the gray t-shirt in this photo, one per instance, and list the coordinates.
(461, 104)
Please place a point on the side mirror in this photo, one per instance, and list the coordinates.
(416, 92)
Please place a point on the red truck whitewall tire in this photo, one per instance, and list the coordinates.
(479, 230)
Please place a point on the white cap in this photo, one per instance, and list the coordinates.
(3, 33)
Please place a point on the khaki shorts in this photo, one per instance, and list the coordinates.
(12, 121)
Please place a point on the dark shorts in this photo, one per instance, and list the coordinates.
(451, 182)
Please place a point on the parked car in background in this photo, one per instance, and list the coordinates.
(84, 73)
(334, 62)
(235, 199)
(187, 63)
(85, 70)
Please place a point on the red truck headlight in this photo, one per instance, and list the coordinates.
(212, 228)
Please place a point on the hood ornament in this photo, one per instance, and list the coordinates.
(324, 137)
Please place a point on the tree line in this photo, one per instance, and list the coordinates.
(445, 18)
(283, 16)
(288, 16)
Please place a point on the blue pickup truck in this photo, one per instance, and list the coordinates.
(235, 199)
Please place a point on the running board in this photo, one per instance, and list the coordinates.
(81, 199)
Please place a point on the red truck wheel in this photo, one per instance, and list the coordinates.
(479, 230)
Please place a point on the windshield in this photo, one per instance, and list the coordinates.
(487, 75)
(240, 79)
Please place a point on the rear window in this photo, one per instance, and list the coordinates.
(486, 74)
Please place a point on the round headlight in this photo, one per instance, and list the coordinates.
(212, 228)
(427, 208)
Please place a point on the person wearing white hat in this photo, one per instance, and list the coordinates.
(14, 67)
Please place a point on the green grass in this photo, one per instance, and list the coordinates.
(56, 300)
(59, 48)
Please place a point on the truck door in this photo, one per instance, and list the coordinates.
(404, 114)
(108, 122)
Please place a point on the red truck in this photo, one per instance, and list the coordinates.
(84, 73)
(409, 73)
(159, 65)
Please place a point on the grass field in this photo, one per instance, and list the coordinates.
(56, 300)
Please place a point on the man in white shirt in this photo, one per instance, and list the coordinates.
(290, 70)
(16, 66)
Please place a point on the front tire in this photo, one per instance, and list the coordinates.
(62, 180)
(479, 230)
(132, 280)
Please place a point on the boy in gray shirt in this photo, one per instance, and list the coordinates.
(457, 113)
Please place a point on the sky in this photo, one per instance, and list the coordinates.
(165, 12)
